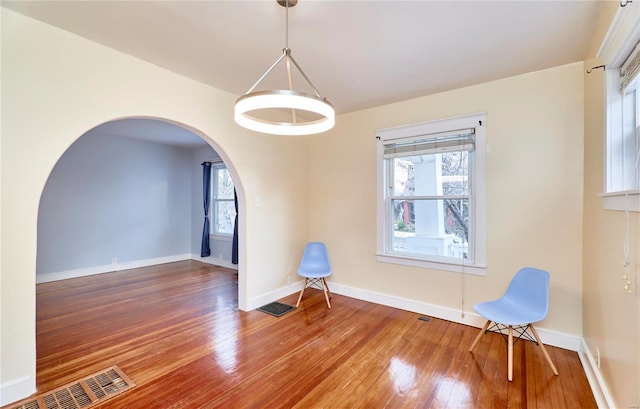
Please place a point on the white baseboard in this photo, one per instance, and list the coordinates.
(596, 381)
(81, 272)
(549, 337)
(17, 389)
(557, 339)
(215, 261)
(274, 295)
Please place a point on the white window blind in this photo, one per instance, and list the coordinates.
(630, 69)
(460, 140)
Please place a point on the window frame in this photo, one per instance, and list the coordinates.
(616, 195)
(617, 141)
(616, 49)
(215, 200)
(477, 228)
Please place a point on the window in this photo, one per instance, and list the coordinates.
(431, 194)
(621, 52)
(223, 205)
(623, 122)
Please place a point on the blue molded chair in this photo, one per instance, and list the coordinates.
(314, 267)
(526, 301)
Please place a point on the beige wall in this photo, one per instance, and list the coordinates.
(534, 192)
(55, 87)
(611, 316)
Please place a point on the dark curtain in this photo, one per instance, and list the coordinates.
(205, 250)
(234, 246)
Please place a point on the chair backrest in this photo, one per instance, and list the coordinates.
(315, 259)
(530, 289)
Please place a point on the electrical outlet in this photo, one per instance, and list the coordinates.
(598, 357)
(114, 260)
(289, 280)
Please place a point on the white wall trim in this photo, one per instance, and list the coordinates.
(221, 237)
(622, 201)
(109, 268)
(549, 337)
(621, 37)
(17, 389)
(431, 264)
(596, 381)
(274, 295)
(215, 261)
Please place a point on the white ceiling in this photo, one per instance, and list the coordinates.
(359, 54)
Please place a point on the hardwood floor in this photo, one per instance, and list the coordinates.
(176, 332)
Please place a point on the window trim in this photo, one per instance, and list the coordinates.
(478, 180)
(614, 198)
(619, 43)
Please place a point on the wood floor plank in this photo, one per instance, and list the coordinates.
(397, 385)
(570, 396)
(476, 380)
(497, 372)
(175, 330)
(530, 383)
(515, 388)
(424, 359)
(455, 392)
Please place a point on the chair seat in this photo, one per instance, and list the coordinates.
(313, 274)
(508, 312)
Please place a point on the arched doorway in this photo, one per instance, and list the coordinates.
(129, 193)
(112, 185)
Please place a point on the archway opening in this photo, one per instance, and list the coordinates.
(129, 193)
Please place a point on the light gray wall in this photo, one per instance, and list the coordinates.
(114, 197)
(220, 247)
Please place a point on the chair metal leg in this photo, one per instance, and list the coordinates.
(544, 350)
(327, 293)
(302, 292)
(480, 334)
(510, 355)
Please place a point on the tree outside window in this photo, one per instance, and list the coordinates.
(430, 204)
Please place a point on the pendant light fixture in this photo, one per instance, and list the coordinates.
(266, 111)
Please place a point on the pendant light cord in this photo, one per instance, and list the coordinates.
(287, 53)
(286, 26)
(630, 281)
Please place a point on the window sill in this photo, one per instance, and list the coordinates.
(431, 264)
(621, 201)
(222, 237)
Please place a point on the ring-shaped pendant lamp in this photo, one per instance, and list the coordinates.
(285, 100)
